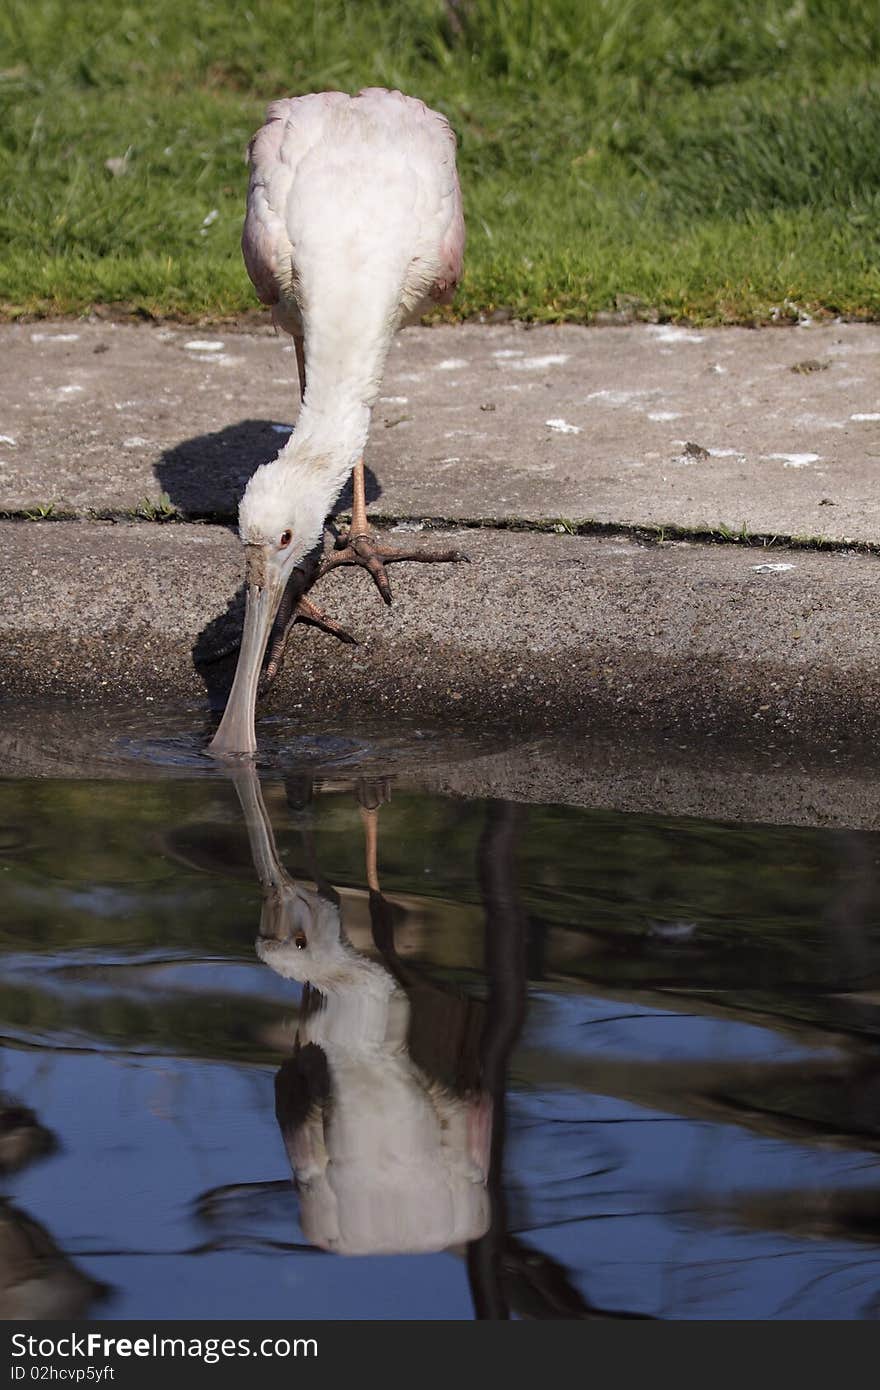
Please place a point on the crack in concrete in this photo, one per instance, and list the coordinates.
(645, 533)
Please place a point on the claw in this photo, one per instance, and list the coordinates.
(365, 551)
(306, 612)
(372, 792)
(371, 559)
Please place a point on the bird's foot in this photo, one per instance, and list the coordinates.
(296, 608)
(372, 792)
(364, 549)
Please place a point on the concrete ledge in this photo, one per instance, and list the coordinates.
(475, 423)
(538, 632)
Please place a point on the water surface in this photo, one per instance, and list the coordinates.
(612, 1064)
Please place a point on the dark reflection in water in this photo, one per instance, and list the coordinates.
(526, 1062)
(37, 1281)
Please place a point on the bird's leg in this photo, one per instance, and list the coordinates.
(361, 547)
(294, 608)
(359, 524)
(371, 793)
(370, 819)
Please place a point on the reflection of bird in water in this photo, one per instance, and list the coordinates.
(445, 1056)
(37, 1280)
(354, 226)
(386, 1156)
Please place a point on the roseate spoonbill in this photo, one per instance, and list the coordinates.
(354, 227)
(387, 1157)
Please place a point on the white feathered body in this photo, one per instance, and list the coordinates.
(386, 1158)
(395, 1162)
(354, 226)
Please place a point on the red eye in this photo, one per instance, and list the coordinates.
(286, 538)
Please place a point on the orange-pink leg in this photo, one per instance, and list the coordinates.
(361, 547)
(370, 821)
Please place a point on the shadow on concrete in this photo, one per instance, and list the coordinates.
(215, 650)
(205, 476)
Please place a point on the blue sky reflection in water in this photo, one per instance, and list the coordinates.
(692, 1102)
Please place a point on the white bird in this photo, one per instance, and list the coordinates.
(354, 227)
(386, 1157)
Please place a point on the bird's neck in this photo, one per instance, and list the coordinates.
(349, 320)
(347, 335)
(346, 339)
(363, 1007)
(314, 465)
(329, 438)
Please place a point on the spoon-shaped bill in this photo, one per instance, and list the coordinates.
(236, 733)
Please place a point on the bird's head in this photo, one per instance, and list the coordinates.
(280, 520)
(301, 935)
(283, 508)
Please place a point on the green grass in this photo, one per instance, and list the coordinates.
(691, 158)
(162, 509)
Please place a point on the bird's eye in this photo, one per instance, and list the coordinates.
(300, 941)
(286, 538)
